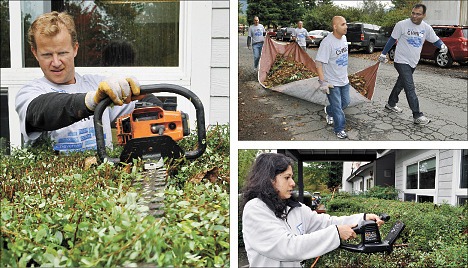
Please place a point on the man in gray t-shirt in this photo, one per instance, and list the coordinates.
(300, 35)
(255, 40)
(332, 69)
(411, 34)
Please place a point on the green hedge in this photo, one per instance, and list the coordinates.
(56, 213)
(434, 236)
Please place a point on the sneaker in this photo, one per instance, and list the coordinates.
(342, 134)
(395, 108)
(327, 117)
(422, 120)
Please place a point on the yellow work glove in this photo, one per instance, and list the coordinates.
(117, 89)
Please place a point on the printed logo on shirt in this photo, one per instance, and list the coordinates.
(342, 60)
(86, 140)
(300, 229)
(415, 41)
(58, 90)
(258, 32)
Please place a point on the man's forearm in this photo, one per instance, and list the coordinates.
(52, 111)
(391, 41)
(319, 66)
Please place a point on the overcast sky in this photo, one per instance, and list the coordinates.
(356, 3)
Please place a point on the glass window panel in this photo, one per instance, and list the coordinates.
(412, 177)
(425, 198)
(4, 122)
(121, 33)
(410, 197)
(5, 34)
(427, 169)
(464, 170)
(462, 200)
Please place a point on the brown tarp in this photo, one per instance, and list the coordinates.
(308, 89)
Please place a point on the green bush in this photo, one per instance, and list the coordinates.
(54, 212)
(388, 193)
(434, 236)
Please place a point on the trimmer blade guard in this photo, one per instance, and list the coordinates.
(151, 148)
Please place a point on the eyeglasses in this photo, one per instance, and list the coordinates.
(416, 14)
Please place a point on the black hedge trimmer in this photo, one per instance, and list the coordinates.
(371, 241)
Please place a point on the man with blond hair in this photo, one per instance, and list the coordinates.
(60, 105)
(332, 69)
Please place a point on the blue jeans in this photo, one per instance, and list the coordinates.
(339, 99)
(257, 51)
(405, 81)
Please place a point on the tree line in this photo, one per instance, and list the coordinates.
(321, 176)
(317, 14)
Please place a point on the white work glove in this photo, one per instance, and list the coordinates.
(383, 58)
(443, 49)
(118, 89)
(325, 86)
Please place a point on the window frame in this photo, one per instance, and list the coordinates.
(416, 160)
(194, 71)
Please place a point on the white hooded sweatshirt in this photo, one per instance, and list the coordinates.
(273, 242)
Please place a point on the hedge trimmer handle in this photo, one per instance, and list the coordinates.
(155, 88)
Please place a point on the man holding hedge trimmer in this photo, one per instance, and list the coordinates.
(59, 105)
(411, 34)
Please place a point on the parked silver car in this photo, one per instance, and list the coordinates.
(316, 37)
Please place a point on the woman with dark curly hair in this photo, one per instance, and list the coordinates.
(278, 230)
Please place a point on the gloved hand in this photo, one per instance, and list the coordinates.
(118, 89)
(325, 86)
(443, 49)
(383, 58)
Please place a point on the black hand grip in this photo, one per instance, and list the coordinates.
(384, 217)
(147, 89)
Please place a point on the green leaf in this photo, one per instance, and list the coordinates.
(40, 234)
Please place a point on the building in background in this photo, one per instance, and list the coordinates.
(437, 176)
(446, 12)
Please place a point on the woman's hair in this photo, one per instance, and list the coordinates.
(50, 24)
(260, 180)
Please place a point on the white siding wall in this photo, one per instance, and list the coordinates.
(448, 12)
(219, 86)
(445, 176)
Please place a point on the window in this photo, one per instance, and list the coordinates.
(421, 175)
(462, 200)
(425, 198)
(464, 169)
(116, 33)
(5, 35)
(4, 122)
(369, 183)
(410, 197)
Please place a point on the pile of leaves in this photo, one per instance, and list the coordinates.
(359, 83)
(55, 212)
(286, 70)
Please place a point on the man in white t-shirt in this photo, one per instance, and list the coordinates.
(411, 34)
(60, 105)
(300, 35)
(332, 69)
(255, 39)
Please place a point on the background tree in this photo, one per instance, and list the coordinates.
(273, 13)
(244, 163)
(335, 175)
